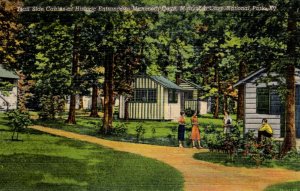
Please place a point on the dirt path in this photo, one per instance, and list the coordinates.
(198, 175)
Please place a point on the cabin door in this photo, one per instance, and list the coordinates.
(297, 113)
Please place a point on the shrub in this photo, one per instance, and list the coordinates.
(119, 130)
(189, 112)
(153, 130)
(140, 131)
(19, 121)
(50, 106)
(233, 145)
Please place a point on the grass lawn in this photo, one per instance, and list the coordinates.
(45, 162)
(221, 158)
(288, 186)
(165, 131)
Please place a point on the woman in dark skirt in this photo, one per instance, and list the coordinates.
(181, 129)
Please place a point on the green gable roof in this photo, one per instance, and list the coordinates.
(191, 84)
(165, 82)
(7, 74)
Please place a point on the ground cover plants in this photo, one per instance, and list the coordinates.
(45, 162)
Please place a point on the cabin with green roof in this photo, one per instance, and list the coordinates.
(8, 97)
(190, 97)
(154, 98)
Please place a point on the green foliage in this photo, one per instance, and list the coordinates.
(153, 130)
(189, 112)
(5, 87)
(18, 121)
(238, 148)
(50, 106)
(119, 130)
(140, 131)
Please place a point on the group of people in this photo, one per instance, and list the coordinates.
(265, 129)
(195, 135)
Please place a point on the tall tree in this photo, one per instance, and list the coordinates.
(292, 30)
(123, 52)
(75, 73)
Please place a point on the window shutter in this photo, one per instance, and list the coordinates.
(275, 104)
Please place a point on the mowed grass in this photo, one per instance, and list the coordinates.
(288, 186)
(162, 129)
(44, 162)
(292, 163)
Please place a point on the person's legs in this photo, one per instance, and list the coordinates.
(259, 136)
(199, 144)
(193, 142)
(266, 134)
(263, 133)
(180, 144)
(181, 130)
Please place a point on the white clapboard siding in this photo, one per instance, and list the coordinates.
(252, 118)
(193, 105)
(146, 110)
(172, 110)
(186, 86)
(11, 98)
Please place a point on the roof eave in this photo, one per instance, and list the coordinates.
(249, 77)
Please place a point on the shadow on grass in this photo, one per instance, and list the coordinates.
(59, 124)
(5, 130)
(41, 172)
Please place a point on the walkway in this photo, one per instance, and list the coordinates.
(198, 175)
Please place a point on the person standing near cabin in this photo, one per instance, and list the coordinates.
(181, 129)
(227, 121)
(195, 136)
(265, 130)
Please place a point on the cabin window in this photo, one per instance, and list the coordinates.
(152, 95)
(173, 96)
(268, 101)
(145, 95)
(188, 95)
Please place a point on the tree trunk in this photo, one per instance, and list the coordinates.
(241, 92)
(72, 110)
(225, 103)
(289, 142)
(108, 93)
(94, 109)
(52, 111)
(75, 68)
(22, 87)
(80, 102)
(216, 109)
(178, 77)
(217, 98)
(126, 117)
